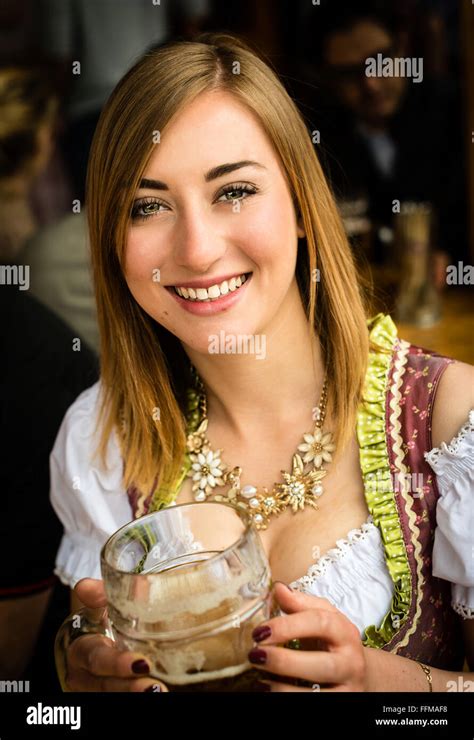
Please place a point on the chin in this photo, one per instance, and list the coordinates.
(223, 337)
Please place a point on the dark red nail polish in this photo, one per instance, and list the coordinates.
(155, 688)
(261, 633)
(257, 656)
(140, 666)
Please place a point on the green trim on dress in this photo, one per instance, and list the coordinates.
(375, 466)
(378, 484)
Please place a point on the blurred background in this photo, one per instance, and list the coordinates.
(396, 144)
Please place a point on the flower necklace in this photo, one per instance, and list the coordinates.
(209, 473)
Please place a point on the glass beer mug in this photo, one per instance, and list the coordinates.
(186, 593)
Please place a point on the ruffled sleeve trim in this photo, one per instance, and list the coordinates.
(375, 466)
(453, 464)
(449, 461)
(464, 611)
(78, 557)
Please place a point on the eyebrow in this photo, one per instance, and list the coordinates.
(213, 174)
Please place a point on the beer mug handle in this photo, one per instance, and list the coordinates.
(84, 621)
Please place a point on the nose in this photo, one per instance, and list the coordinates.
(197, 243)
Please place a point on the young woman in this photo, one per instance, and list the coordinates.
(226, 290)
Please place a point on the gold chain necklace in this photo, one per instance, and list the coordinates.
(209, 473)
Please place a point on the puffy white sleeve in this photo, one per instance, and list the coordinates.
(88, 498)
(453, 550)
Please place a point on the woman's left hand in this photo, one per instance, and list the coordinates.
(337, 664)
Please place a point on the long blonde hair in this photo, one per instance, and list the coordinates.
(144, 366)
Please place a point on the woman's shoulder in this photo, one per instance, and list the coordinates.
(79, 421)
(455, 391)
(441, 385)
(86, 402)
(76, 446)
(452, 460)
(453, 402)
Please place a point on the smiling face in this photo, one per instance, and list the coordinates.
(199, 224)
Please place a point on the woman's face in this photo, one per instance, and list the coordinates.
(196, 228)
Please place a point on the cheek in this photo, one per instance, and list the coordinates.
(141, 256)
(268, 232)
(142, 276)
(142, 272)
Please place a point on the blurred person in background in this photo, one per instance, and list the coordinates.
(44, 367)
(60, 275)
(27, 119)
(56, 254)
(105, 37)
(385, 138)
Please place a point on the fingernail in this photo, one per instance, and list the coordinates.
(261, 633)
(257, 656)
(155, 688)
(286, 585)
(262, 686)
(140, 666)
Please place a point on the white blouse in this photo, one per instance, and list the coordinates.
(92, 504)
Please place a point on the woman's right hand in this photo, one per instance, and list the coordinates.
(95, 663)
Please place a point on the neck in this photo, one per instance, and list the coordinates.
(244, 392)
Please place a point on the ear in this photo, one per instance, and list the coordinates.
(299, 221)
(300, 228)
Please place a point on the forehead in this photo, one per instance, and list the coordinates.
(212, 129)
(356, 44)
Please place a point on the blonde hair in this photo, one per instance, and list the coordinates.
(143, 365)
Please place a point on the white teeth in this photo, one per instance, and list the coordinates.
(213, 292)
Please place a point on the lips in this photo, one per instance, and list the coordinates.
(211, 307)
(213, 291)
(209, 282)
